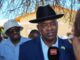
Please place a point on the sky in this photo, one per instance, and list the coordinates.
(67, 4)
(11, 10)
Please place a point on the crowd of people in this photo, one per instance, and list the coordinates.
(43, 43)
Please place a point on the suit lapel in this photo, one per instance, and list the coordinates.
(62, 51)
(39, 50)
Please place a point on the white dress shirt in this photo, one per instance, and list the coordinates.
(45, 48)
(8, 51)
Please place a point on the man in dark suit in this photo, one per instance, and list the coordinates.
(37, 49)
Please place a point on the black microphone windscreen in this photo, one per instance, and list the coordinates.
(53, 53)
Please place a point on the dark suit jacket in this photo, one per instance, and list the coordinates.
(32, 50)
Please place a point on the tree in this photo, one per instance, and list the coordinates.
(14, 8)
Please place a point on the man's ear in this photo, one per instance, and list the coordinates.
(38, 27)
(6, 34)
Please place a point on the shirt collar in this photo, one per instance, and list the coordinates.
(56, 44)
(43, 44)
(45, 48)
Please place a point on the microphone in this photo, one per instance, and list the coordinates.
(53, 53)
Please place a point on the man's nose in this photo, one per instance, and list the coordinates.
(49, 27)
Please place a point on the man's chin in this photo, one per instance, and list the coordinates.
(51, 37)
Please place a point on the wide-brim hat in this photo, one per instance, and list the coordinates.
(45, 13)
(11, 23)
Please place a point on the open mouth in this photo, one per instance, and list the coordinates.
(51, 33)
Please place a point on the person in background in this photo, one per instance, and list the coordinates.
(9, 48)
(37, 49)
(33, 34)
(76, 34)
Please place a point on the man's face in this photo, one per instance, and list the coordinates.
(48, 29)
(14, 33)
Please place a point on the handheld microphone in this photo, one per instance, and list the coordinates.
(53, 53)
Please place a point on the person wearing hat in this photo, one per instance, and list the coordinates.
(33, 34)
(37, 49)
(9, 48)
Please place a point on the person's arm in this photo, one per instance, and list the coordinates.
(76, 34)
(76, 47)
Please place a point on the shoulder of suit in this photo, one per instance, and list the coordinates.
(28, 43)
(65, 42)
